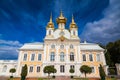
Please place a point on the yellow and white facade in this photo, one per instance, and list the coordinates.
(62, 49)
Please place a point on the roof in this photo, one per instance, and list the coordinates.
(32, 46)
(90, 46)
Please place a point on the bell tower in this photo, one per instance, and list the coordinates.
(73, 28)
(50, 27)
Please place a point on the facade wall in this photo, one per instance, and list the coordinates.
(6, 65)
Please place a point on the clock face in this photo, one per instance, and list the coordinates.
(62, 33)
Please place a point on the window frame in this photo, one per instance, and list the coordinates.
(52, 56)
(25, 57)
(84, 57)
(72, 56)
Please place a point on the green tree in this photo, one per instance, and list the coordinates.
(102, 72)
(49, 70)
(113, 50)
(71, 71)
(12, 70)
(24, 72)
(85, 69)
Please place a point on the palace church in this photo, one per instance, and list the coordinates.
(63, 49)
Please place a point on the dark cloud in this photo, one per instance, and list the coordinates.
(106, 29)
(26, 20)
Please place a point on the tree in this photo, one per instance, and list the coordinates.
(85, 69)
(113, 50)
(71, 71)
(102, 72)
(49, 70)
(54, 71)
(24, 72)
(12, 70)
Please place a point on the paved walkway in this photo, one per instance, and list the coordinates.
(62, 78)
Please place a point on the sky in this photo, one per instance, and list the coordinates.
(24, 21)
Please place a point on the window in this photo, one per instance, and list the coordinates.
(62, 56)
(32, 57)
(39, 57)
(93, 70)
(52, 56)
(84, 57)
(49, 32)
(62, 46)
(90, 57)
(38, 68)
(73, 32)
(72, 67)
(25, 57)
(31, 69)
(71, 46)
(4, 69)
(53, 46)
(98, 57)
(71, 56)
(62, 69)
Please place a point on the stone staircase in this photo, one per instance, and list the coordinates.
(62, 78)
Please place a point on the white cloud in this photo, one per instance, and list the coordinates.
(9, 49)
(108, 28)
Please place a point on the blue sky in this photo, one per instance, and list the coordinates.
(24, 21)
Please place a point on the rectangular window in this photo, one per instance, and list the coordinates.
(39, 57)
(31, 69)
(98, 57)
(62, 69)
(38, 68)
(93, 70)
(84, 57)
(25, 57)
(52, 56)
(90, 57)
(72, 67)
(32, 57)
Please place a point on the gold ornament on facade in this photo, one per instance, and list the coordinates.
(50, 23)
(62, 38)
(73, 24)
(61, 19)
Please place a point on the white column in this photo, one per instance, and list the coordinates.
(67, 54)
(18, 72)
(57, 54)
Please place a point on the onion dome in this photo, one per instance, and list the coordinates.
(61, 19)
(50, 23)
(73, 24)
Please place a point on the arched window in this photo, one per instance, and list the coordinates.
(62, 46)
(71, 46)
(49, 32)
(52, 56)
(53, 46)
(62, 56)
(4, 69)
(73, 32)
(71, 56)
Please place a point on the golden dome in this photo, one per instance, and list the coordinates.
(61, 19)
(50, 23)
(73, 24)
